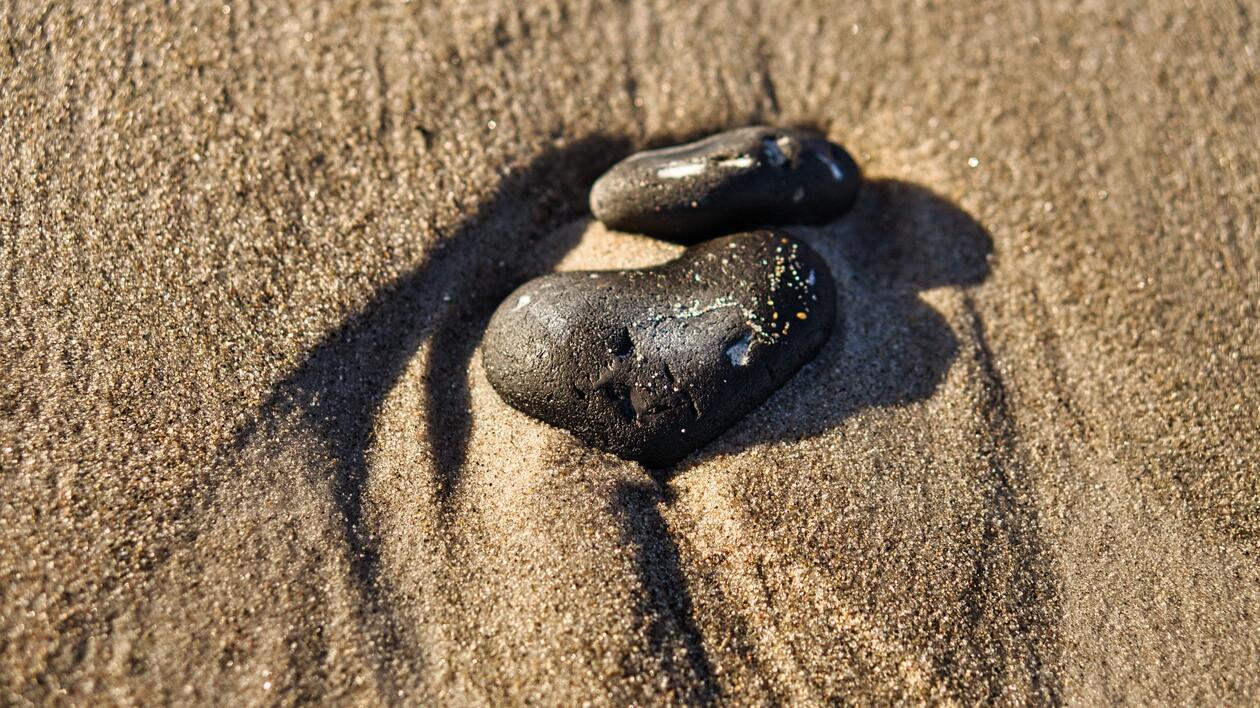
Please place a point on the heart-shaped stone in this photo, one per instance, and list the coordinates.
(732, 181)
(653, 363)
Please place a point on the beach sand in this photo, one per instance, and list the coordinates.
(249, 455)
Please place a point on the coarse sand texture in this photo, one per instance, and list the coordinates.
(249, 453)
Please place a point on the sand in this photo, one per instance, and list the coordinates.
(249, 455)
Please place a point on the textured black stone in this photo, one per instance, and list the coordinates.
(733, 181)
(651, 364)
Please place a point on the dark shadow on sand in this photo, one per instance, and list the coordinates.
(666, 606)
(340, 386)
(891, 348)
(899, 240)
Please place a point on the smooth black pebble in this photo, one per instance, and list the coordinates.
(732, 181)
(651, 364)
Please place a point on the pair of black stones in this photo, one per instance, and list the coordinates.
(653, 363)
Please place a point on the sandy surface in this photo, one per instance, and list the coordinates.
(249, 456)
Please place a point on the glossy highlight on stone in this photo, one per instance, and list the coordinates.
(652, 363)
(733, 181)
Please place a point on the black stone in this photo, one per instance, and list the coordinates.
(651, 364)
(732, 181)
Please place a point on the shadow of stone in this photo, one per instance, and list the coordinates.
(341, 384)
(891, 349)
(665, 607)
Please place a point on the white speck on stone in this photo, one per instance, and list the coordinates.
(836, 172)
(738, 352)
(522, 302)
(685, 169)
(738, 163)
(811, 279)
(973, 162)
(686, 311)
